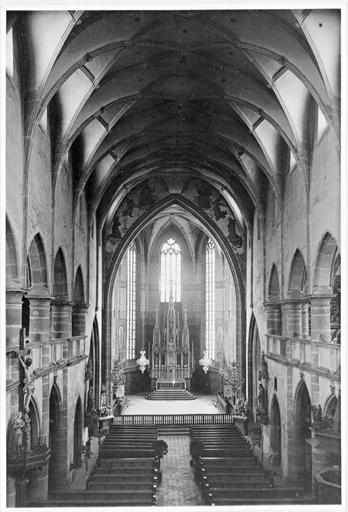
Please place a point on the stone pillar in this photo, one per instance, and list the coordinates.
(11, 491)
(37, 489)
(305, 320)
(61, 319)
(292, 314)
(320, 317)
(13, 317)
(21, 490)
(273, 318)
(40, 319)
(79, 312)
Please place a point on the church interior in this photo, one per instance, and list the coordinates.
(173, 257)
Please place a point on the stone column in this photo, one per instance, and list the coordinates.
(40, 318)
(38, 487)
(13, 317)
(61, 319)
(292, 314)
(79, 312)
(320, 317)
(305, 320)
(273, 317)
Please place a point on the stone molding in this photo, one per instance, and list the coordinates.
(320, 371)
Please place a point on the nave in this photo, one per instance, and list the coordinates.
(173, 231)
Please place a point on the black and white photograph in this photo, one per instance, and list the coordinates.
(174, 216)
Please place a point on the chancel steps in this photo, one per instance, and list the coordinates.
(170, 394)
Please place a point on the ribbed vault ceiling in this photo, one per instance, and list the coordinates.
(225, 95)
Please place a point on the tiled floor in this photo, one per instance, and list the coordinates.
(178, 487)
(137, 404)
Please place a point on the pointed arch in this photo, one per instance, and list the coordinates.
(254, 364)
(330, 406)
(323, 269)
(60, 280)
(273, 286)
(301, 448)
(37, 262)
(94, 361)
(298, 274)
(276, 431)
(170, 255)
(35, 423)
(217, 235)
(78, 425)
(11, 254)
(54, 431)
(79, 289)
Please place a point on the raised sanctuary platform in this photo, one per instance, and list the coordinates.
(170, 394)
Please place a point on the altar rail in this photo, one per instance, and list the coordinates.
(172, 419)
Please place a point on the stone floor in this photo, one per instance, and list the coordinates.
(178, 487)
(137, 404)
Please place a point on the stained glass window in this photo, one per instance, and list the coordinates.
(210, 299)
(131, 301)
(170, 271)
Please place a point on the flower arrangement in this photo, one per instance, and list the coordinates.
(105, 411)
(240, 407)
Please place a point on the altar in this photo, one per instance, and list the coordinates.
(171, 353)
(174, 384)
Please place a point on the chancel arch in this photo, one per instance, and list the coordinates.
(226, 244)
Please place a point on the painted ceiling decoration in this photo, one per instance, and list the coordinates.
(140, 201)
(226, 96)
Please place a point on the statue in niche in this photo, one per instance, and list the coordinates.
(233, 236)
(27, 432)
(90, 401)
(129, 207)
(204, 193)
(262, 401)
(115, 232)
(147, 197)
(16, 435)
(89, 370)
(219, 214)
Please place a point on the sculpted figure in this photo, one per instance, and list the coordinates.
(28, 387)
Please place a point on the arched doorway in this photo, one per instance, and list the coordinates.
(77, 461)
(303, 434)
(276, 432)
(54, 427)
(254, 360)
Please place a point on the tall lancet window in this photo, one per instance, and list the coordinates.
(131, 301)
(210, 299)
(170, 271)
